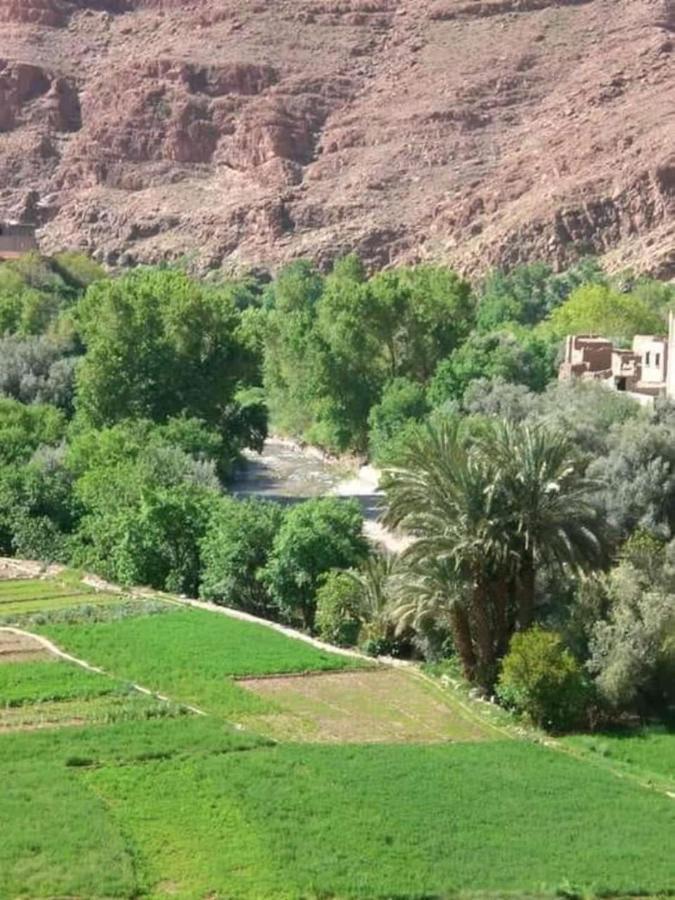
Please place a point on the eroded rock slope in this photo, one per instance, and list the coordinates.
(253, 131)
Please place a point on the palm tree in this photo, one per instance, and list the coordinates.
(373, 581)
(424, 595)
(551, 520)
(488, 511)
(444, 496)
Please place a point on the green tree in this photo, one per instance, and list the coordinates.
(154, 541)
(315, 537)
(235, 550)
(290, 363)
(337, 610)
(527, 294)
(24, 428)
(403, 401)
(632, 647)
(518, 359)
(602, 310)
(159, 345)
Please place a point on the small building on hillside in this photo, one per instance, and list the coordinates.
(15, 240)
(646, 371)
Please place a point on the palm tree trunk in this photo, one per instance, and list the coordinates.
(461, 635)
(526, 595)
(484, 634)
(501, 605)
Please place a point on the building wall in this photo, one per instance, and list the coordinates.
(654, 353)
(670, 362)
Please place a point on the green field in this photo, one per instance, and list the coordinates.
(647, 753)
(192, 655)
(174, 811)
(39, 682)
(21, 598)
(152, 802)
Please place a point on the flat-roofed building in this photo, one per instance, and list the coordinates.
(646, 371)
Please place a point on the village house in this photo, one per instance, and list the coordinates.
(15, 240)
(645, 372)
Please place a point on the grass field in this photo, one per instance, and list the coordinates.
(21, 598)
(647, 753)
(155, 803)
(53, 693)
(176, 812)
(192, 655)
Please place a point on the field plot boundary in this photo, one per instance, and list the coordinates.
(51, 647)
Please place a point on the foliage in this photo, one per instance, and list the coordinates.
(403, 404)
(519, 359)
(527, 294)
(638, 473)
(35, 291)
(38, 370)
(486, 513)
(632, 649)
(160, 345)
(373, 582)
(24, 428)
(333, 344)
(152, 539)
(542, 679)
(315, 537)
(602, 310)
(235, 549)
(338, 610)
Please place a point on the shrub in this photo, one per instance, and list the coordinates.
(337, 609)
(542, 679)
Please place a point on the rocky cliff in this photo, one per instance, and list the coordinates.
(253, 131)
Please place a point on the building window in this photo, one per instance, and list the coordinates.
(657, 361)
(647, 355)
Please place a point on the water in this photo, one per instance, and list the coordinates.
(287, 473)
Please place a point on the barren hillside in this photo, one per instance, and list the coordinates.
(248, 131)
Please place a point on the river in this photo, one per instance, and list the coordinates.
(288, 473)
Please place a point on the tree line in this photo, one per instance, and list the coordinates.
(542, 564)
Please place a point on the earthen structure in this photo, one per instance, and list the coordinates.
(645, 371)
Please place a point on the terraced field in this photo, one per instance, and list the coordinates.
(309, 775)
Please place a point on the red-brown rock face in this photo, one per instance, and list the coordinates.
(253, 131)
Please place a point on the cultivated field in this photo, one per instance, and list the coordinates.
(352, 782)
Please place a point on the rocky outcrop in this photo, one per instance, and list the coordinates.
(234, 132)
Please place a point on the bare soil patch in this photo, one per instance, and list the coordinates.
(370, 706)
(21, 648)
(14, 569)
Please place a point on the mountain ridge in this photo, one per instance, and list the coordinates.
(481, 133)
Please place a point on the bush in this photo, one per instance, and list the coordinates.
(542, 679)
(337, 610)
